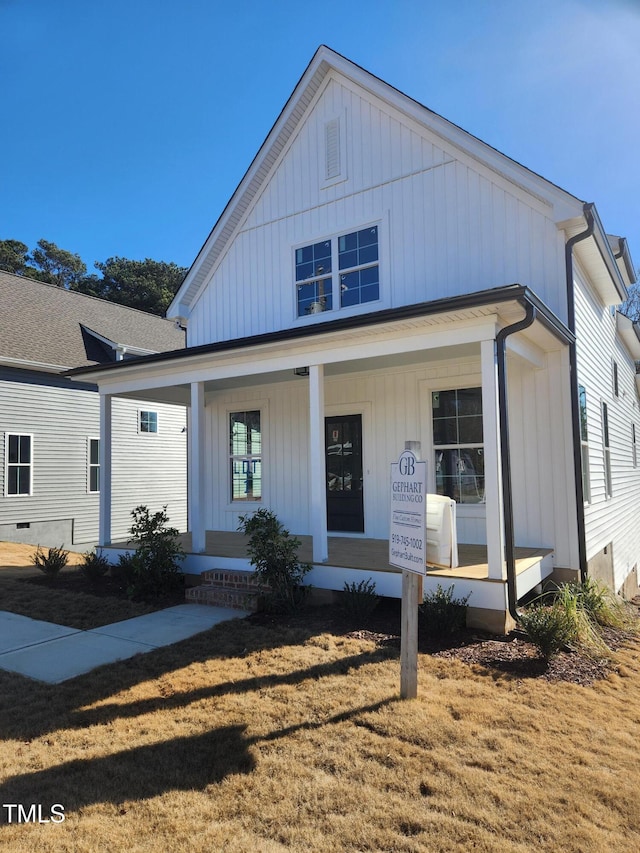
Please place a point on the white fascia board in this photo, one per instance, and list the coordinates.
(272, 358)
(514, 172)
(118, 347)
(25, 364)
(628, 331)
(324, 60)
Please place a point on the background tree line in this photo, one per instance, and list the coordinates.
(147, 285)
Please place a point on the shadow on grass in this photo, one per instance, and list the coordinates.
(135, 774)
(148, 771)
(30, 709)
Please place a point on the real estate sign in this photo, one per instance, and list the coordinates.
(407, 534)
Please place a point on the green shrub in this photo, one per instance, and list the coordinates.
(274, 555)
(52, 562)
(154, 569)
(548, 627)
(440, 613)
(604, 607)
(94, 566)
(359, 600)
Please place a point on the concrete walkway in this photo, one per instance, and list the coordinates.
(53, 653)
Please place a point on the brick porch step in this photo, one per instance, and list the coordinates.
(221, 588)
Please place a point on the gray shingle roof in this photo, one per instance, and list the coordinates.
(43, 324)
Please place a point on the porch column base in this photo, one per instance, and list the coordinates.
(493, 621)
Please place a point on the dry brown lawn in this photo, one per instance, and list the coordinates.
(274, 737)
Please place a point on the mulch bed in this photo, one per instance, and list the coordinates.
(105, 587)
(512, 655)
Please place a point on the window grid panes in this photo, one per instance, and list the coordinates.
(94, 464)
(19, 464)
(458, 444)
(245, 450)
(356, 257)
(148, 422)
(584, 444)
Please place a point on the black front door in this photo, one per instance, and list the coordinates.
(343, 447)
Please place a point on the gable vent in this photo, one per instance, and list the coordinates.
(332, 148)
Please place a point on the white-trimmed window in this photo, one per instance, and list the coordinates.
(584, 444)
(245, 455)
(93, 465)
(340, 272)
(458, 444)
(148, 421)
(19, 466)
(608, 487)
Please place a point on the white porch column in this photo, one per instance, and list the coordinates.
(317, 472)
(492, 460)
(104, 519)
(195, 449)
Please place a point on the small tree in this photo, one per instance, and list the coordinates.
(274, 556)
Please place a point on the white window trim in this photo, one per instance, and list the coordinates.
(244, 406)
(384, 298)
(584, 451)
(7, 435)
(606, 452)
(148, 432)
(427, 387)
(91, 438)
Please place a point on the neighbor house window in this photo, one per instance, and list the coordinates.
(93, 472)
(584, 444)
(338, 273)
(245, 450)
(607, 451)
(458, 444)
(19, 456)
(148, 422)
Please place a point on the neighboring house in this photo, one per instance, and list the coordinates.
(378, 276)
(50, 474)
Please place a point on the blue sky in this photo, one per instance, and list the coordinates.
(127, 124)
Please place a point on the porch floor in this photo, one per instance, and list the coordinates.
(373, 554)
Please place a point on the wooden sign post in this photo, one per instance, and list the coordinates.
(408, 551)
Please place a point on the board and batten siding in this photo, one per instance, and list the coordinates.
(62, 420)
(447, 224)
(608, 519)
(395, 404)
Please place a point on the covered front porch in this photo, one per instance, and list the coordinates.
(265, 418)
(352, 560)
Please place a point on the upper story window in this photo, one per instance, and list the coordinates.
(148, 421)
(338, 273)
(19, 464)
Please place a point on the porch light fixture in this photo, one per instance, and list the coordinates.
(301, 371)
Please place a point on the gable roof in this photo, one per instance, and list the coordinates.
(567, 207)
(45, 327)
(322, 64)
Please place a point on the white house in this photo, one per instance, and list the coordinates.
(50, 474)
(378, 276)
